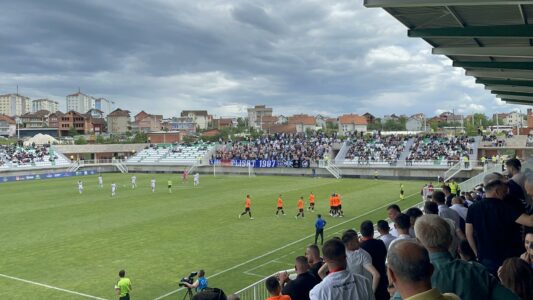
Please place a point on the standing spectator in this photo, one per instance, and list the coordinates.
(312, 253)
(445, 211)
(447, 195)
(410, 271)
(358, 260)
(393, 211)
(469, 281)
(528, 255)
(516, 275)
(274, 289)
(298, 289)
(340, 283)
(490, 225)
(123, 286)
(413, 213)
(459, 206)
(319, 229)
(385, 236)
(402, 223)
(378, 252)
(516, 195)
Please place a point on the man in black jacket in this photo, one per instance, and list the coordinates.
(298, 288)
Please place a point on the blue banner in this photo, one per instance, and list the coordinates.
(256, 163)
(47, 176)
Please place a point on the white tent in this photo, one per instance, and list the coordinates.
(40, 139)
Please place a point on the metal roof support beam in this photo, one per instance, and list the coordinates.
(522, 65)
(503, 31)
(523, 89)
(512, 93)
(523, 98)
(519, 75)
(513, 101)
(518, 52)
(505, 82)
(422, 3)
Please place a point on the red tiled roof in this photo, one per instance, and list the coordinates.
(119, 113)
(352, 119)
(302, 119)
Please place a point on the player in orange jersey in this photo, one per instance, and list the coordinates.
(300, 207)
(331, 204)
(311, 202)
(340, 213)
(280, 206)
(247, 207)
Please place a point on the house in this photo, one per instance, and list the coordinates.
(370, 119)
(282, 119)
(118, 121)
(73, 119)
(267, 122)
(256, 115)
(281, 128)
(302, 122)
(8, 126)
(321, 121)
(38, 119)
(200, 117)
(54, 119)
(146, 122)
(179, 124)
(415, 122)
(224, 123)
(350, 123)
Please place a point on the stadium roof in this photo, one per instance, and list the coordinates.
(100, 148)
(491, 39)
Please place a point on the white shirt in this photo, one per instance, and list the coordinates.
(446, 212)
(357, 261)
(460, 209)
(100, 180)
(152, 182)
(387, 239)
(343, 285)
(401, 237)
(196, 177)
(80, 185)
(133, 179)
(113, 187)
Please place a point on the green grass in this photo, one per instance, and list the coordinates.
(52, 235)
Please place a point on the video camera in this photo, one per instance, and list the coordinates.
(189, 279)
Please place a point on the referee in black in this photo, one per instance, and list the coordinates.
(319, 226)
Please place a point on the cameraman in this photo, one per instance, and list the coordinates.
(200, 284)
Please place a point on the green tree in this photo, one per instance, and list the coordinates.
(72, 131)
(100, 139)
(140, 137)
(80, 141)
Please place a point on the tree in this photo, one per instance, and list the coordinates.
(100, 139)
(80, 141)
(72, 131)
(140, 137)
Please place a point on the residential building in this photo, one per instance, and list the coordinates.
(512, 119)
(80, 102)
(37, 119)
(14, 105)
(104, 105)
(97, 122)
(118, 121)
(414, 124)
(54, 119)
(73, 119)
(302, 122)
(256, 115)
(370, 119)
(350, 123)
(267, 122)
(392, 117)
(224, 123)
(146, 122)
(321, 121)
(44, 104)
(8, 126)
(179, 124)
(200, 117)
(281, 119)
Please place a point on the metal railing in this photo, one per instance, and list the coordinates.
(336, 172)
(257, 290)
(469, 184)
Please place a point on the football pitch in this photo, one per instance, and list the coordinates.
(58, 244)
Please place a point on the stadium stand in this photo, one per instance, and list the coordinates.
(427, 149)
(15, 157)
(376, 150)
(172, 154)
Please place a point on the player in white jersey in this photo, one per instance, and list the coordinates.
(133, 182)
(152, 184)
(113, 189)
(80, 186)
(196, 179)
(100, 181)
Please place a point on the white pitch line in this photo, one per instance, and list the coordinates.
(285, 246)
(52, 287)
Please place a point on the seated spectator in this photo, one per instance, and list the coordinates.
(410, 271)
(413, 213)
(340, 283)
(378, 252)
(358, 260)
(517, 275)
(274, 289)
(312, 253)
(402, 223)
(385, 236)
(528, 255)
(468, 280)
(298, 289)
(490, 225)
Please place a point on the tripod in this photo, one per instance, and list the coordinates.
(188, 293)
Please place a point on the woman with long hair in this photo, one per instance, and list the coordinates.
(517, 276)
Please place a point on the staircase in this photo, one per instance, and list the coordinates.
(454, 170)
(469, 184)
(121, 167)
(341, 155)
(336, 172)
(406, 151)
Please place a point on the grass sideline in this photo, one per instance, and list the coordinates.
(54, 236)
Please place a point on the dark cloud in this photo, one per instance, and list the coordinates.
(164, 56)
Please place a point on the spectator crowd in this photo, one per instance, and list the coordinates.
(376, 149)
(24, 155)
(434, 147)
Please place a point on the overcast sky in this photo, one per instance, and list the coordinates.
(302, 56)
